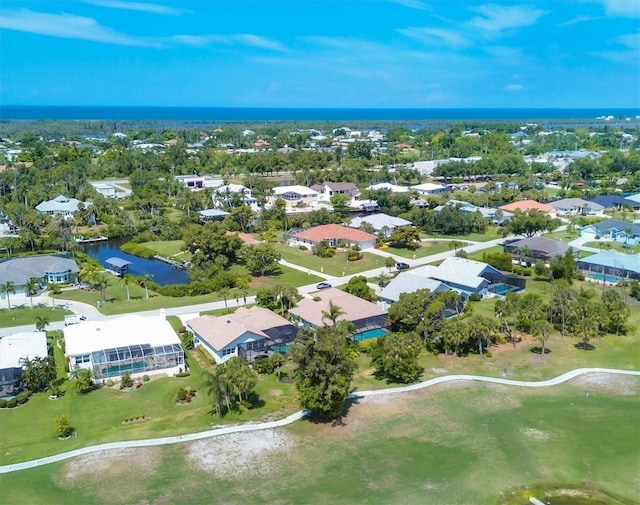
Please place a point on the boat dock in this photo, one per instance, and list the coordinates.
(82, 240)
(181, 265)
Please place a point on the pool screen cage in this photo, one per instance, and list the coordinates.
(136, 359)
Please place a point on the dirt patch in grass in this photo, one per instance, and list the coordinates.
(625, 385)
(239, 454)
(534, 434)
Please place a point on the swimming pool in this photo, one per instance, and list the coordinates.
(366, 335)
(604, 277)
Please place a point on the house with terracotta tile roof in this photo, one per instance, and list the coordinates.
(527, 205)
(366, 316)
(333, 234)
(246, 333)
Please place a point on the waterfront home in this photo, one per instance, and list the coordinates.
(385, 186)
(429, 188)
(14, 350)
(60, 206)
(296, 194)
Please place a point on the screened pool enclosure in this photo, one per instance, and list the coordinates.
(138, 358)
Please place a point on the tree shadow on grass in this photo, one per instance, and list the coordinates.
(254, 401)
(340, 420)
(585, 346)
(536, 349)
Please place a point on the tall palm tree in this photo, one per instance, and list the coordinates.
(225, 293)
(30, 287)
(541, 329)
(334, 312)
(53, 290)
(8, 288)
(144, 281)
(125, 281)
(103, 284)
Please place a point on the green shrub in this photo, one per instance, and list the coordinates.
(182, 394)
(264, 366)
(23, 397)
(3, 403)
(109, 383)
(489, 354)
(303, 248)
(126, 380)
(366, 345)
(12, 403)
(475, 297)
(146, 378)
(501, 261)
(183, 374)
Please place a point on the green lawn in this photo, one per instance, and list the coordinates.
(563, 236)
(616, 246)
(116, 294)
(20, 316)
(420, 447)
(168, 248)
(489, 234)
(426, 249)
(336, 266)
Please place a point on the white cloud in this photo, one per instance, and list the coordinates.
(496, 18)
(624, 8)
(580, 19)
(514, 87)
(243, 39)
(67, 26)
(630, 53)
(430, 35)
(412, 4)
(137, 6)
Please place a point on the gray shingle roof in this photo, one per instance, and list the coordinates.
(410, 282)
(20, 270)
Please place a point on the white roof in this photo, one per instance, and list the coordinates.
(60, 203)
(394, 188)
(92, 336)
(427, 186)
(410, 282)
(27, 344)
(379, 221)
(232, 188)
(301, 190)
(460, 271)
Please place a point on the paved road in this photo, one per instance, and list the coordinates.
(301, 414)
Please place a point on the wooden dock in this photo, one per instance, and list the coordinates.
(82, 240)
(181, 265)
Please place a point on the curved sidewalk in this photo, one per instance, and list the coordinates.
(301, 414)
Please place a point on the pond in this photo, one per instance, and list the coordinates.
(162, 273)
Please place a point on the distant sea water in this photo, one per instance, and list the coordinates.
(239, 114)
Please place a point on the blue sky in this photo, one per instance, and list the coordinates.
(321, 53)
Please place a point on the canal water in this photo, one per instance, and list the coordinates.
(162, 273)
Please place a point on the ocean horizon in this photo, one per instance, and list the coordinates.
(267, 114)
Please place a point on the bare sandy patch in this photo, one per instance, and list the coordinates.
(112, 463)
(535, 434)
(624, 385)
(239, 454)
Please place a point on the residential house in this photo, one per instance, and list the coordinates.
(14, 350)
(409, 282)
(198, 182)
(231, 193)
(246, 333)
(212, 215)
(381, 223)
(60, 206)
(616, 202)
(469, 277)
(624, 232)
(328, 189)
(140, 345)
(489, 213)
(430, 188)
(526, 206)
(106, 190)
(296, 194)
(610, 266)
(333, 234)
(536, 248)
(45, 269)
(575, 207)
(365, 316)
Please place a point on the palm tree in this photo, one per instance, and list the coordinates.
(103, 284)
(214, 383)
(225, 293)
(41, 322)
(30, 287)
(84, 379)
(334, 312)
(144, 281)
(125, 281)
(541, 329)
(9, 288)
(53, 289)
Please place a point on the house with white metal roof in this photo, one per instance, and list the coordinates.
(409, 282)
(381, 223)
(60, 206)
(136, 344)
(14, 349)
(296, 194)
(430, 188)
(386, 186)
